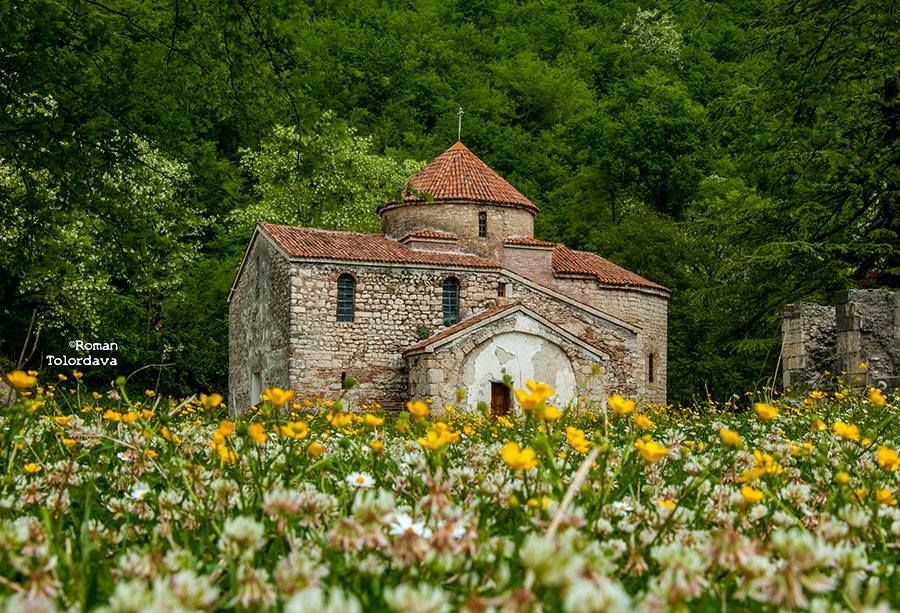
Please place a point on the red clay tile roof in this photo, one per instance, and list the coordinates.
(458, 327)
(459, 175)
(569, 261)
(361, 247)
(525, 241)
(431, 234)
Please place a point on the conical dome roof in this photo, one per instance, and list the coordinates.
(458, 175)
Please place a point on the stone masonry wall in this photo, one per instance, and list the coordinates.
(809, 343)
(462, 220)
(258, 321)
(863, 328)
(398, 306)
(868, 331)
(645, 310)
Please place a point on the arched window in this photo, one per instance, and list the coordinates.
(450, 301)
(346, 297)
(482, 224)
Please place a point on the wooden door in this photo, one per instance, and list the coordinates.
(500, 400)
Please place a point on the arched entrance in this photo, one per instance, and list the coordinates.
(522, 356)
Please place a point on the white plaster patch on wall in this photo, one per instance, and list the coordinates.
(523, 356)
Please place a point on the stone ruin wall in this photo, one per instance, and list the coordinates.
(862, 328)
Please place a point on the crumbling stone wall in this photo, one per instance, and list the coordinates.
(808, 343)
(859, 336)
(868, 332)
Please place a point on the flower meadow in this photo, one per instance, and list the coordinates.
(128, 501)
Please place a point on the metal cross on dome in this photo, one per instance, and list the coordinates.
(459, 114)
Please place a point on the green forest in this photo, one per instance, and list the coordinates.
(742, 153)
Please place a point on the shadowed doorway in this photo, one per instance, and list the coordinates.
(500, 400)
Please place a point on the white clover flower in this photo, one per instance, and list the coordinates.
(241, 536)
(553, 565)
(298, 571)
(313, 599)
(131, 597)
(423, 598)
(600, 595)
(194, 592)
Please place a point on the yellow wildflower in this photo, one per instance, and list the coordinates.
(213, 401)
(130, 417)
(888, 459)
(620, 405)
(149, 393)
(299, 429)
(518, 458)
(503, 421)
(643, 422)
(876, 397)
(550, 413)
(69, 442)
(167, 434)
(666, 503)
(801, 450)
(651, 451)
(315, 449)
(849, 432)
(886, 496)
(730, 437)
(763, 464)
(111, 415)
(842, 477)
(257, 432)
(62, 420)
(279, 397)
(77, 374)
(418, 409)
(373, 420)
(377, 445)
(817, 425)
(31, 468)
(439, 435)
(751, 495)
(21, 380)
(339, 420)
(226, 428)
(577, 439)
(536, 395)
(765, 411)
(226, 455)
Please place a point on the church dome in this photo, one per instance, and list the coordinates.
(459, 194)
(458, 175)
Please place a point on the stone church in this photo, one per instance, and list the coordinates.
(455, 292)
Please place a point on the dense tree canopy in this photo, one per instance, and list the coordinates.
(742, 153)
